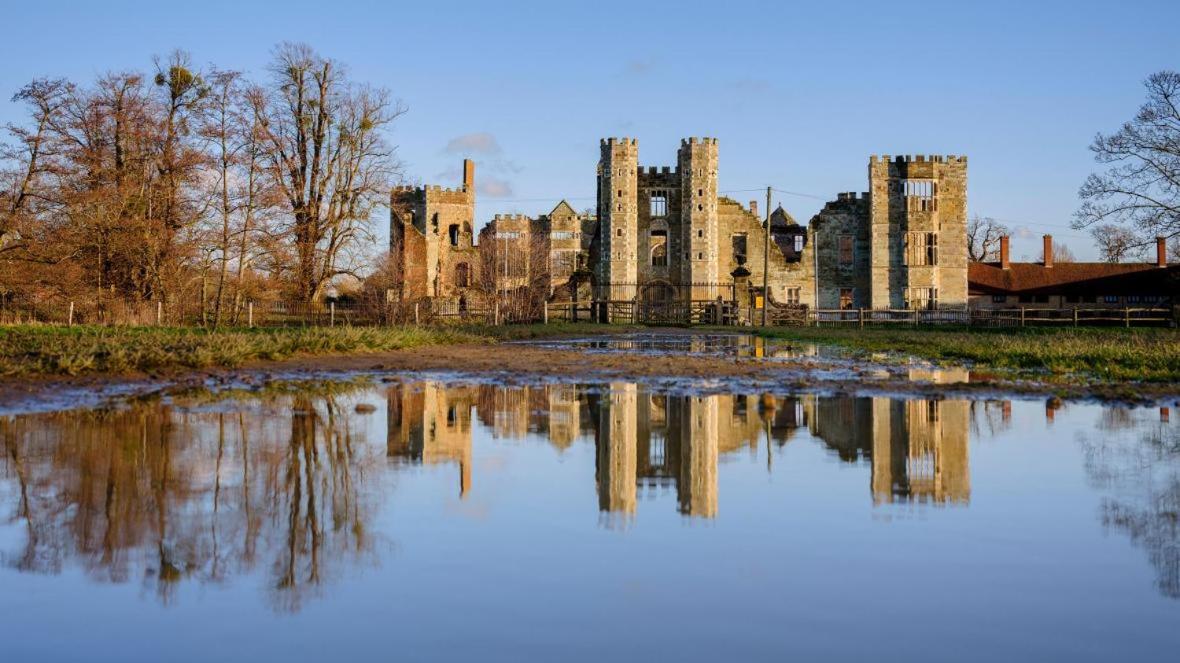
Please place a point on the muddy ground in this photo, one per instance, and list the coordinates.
(550, 361)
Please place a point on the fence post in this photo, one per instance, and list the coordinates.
(159, 313)
(1127, 316)
(1075, 316)
(331, 314)
(915, 316)
(250, 314)
(70, 320)
(1021, 316)
(496, 314)
(860, 317)
(545, 313)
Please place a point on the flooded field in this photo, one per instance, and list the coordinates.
(432, 519)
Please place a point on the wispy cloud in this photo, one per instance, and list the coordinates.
(492, 169)
(639, 66)
(474, 143)
(494, 187)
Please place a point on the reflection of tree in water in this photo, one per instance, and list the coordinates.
(171, 495)
(1139, 473)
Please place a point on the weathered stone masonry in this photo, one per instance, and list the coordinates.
(667, 233)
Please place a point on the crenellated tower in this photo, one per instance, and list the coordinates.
(696, 162)
(918, 226)
(618, 207)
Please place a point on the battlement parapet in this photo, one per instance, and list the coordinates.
(625, 141)
(685, 142)
(918, 158)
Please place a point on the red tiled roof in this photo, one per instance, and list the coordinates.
(1033, 276)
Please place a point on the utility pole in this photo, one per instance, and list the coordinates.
(766, 261)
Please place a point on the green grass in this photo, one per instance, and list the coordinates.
(48, 350)
(1105, 354)
(30, 350)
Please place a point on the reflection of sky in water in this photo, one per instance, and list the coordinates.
(589, 523)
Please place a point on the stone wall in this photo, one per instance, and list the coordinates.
(901, 208)
(845, 217)
(441, 259)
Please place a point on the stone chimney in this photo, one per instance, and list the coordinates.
(469, 175)
(1048, 260)
(754, 208)
(1004, 253)
(1161, 252)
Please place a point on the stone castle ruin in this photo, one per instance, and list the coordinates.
(666, 234)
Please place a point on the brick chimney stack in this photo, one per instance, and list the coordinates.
(1004, 255)
(1048, 251)
(1161, 252)
(754, 208)
(469, 175)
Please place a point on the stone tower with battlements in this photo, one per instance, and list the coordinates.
(432, 239)
(917, 228)
(618, 209)
(696, 163)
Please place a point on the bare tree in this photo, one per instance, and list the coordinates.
(1061, 253)
(327, 155)
(1117, 243)
(983, 238)
(1141, 186)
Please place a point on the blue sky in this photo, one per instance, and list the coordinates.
(799, 94)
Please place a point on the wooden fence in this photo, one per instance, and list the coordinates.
(1018, 317)
(514, 311)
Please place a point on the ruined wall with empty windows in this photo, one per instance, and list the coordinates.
(919, 228)
(432, 241)
(842, 247)
(667, 230)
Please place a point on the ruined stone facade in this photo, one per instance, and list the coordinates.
(667, 232)
(918, 450)
(664, 233)
(432, 240)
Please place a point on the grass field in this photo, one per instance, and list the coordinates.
(48, 350)
(1105, 354)
(1091, 355)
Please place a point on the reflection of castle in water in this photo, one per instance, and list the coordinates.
(649, 442)
(918, 448)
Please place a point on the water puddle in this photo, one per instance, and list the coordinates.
(440, 518)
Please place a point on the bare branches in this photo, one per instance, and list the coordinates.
(1140, 189)
(327, 154)
(983, 238)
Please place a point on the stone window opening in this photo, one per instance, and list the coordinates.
(659, 248)
(659, 205)
(739, 247)
(620, 193)
(453, 232)
(845, 299)
(846, 245)
(462, 275)
(700, 208)
(700, 233)
(921, 194)
(798, 243)
(921, 248)
(618, 232)
(921, 298)
(793, 295)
